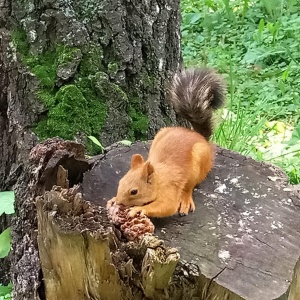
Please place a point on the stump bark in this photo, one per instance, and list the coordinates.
(82, 257)
(242, 242)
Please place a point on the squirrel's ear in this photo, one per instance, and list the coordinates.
(147, 170)
(136, 161)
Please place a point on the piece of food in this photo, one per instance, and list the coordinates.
(132, 228)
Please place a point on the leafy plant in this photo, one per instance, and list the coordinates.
(7, 203)
(5, 291)
(5, 243)
(257, 44)
(283, 148)
(96, 142)
(125, 142)
(7, 207)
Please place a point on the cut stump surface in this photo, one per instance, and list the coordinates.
(244, 234)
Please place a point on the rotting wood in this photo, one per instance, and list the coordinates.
(79, 254)
(74, 248)
(158, 267)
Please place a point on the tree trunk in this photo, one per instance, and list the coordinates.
(73, 69)
(78, 68)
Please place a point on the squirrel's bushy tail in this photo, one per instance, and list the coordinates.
(194, 94)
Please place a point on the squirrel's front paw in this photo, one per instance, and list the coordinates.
(135, 210)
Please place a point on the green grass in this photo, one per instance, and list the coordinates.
(256, 45)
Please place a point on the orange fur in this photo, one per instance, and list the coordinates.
(179, 159)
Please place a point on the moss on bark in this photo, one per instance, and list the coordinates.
(78, 106)
(100, 72)
(74, 103)
(139, 120)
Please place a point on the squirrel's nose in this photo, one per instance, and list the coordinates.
(118, 200)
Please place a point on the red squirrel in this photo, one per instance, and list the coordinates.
(179, 158)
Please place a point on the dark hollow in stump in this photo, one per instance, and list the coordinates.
(244, 236)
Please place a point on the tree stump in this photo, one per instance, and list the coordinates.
(244, 234)
(242, 242)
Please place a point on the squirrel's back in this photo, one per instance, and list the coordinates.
(172, 144)
(194, 94)
(181, 151)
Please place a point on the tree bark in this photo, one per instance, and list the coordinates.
(113, 57)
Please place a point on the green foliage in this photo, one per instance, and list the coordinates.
(5, 243)
(96, 142)
(125, 142)
(257, 44)
(5, 292)
(7, 202)
(6, 206)
(283, 148)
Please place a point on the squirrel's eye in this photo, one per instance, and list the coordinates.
(133, 192)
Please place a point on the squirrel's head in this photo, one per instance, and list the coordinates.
(136, 187)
